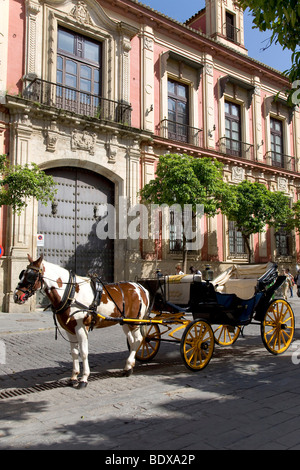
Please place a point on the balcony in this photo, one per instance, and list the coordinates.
(78, 102)
(231, 32)
(178, 132)
(280, 160)
(236, 148)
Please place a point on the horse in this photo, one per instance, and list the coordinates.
(81, 304)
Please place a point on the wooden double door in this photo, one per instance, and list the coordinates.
(67, 228)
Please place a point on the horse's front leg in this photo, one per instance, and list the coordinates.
(75, 358)
(82, 337)
(135, 338)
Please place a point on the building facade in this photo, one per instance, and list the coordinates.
(95, 91)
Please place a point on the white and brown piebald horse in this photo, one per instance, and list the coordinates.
(71, 297)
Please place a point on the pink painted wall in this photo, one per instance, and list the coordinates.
(199, 23)
(16, 44)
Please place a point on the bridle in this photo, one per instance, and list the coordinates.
(29, 279)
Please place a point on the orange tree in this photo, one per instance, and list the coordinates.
(253, 207)
(21, 182)
(184, 180)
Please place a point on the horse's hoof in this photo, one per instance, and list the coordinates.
(82, 385)
(127, 373)
(73, 383)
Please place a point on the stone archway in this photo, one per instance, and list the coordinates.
(68, 227)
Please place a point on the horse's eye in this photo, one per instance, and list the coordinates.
(21, 274)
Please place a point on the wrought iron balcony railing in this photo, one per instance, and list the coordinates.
(180, 132)
(280, 160)
(77, 101)
(231, 32)
(236, 148)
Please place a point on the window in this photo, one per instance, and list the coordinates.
(78, 72)
(230, 29)
(176, 233)
(233, 128)
(183, 224)
(178, 111)
(236, 241)
(276, 142)
(283, 242)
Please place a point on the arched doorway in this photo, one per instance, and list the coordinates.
(68, 226)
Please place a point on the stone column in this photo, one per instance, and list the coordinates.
(20, 227)
(257, 119)
(147, 81)
(208, 103)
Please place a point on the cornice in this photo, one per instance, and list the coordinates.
(225, 159)
(212, 46)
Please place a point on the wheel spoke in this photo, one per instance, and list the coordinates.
(197, 345)
(149, 345)
(226, 335)
(277, 327)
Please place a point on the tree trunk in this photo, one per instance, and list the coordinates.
(247, 243)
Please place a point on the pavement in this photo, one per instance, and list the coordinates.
(245, 399)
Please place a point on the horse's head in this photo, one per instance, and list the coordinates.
(31, 280)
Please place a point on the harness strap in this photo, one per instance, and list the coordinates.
(68, 296)
(98, 290)
(35, 268)
(122, 312)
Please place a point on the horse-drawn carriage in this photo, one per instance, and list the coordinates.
(195, 313)
(216, 311)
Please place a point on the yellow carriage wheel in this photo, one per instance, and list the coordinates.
(226, 334)
(150, 344)
(277, 327)
(197, 345)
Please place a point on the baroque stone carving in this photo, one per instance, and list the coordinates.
(111, 153)
(238, 174)
(83, 141)
(148, 44)
(81, 14)
(282, 184)
(51, 140)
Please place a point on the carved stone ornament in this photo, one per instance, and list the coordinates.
(111, 152)
(32, 7)
(148, 44)
(51, 140)
(81, 14)
(282, 184)
(84, 141)
(238, 174)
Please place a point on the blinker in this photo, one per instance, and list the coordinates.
(31, 276)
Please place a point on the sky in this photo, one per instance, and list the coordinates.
(255, 41)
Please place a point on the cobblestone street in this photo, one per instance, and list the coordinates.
(245, 398)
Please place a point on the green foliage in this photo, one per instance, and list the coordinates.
(282, 17)
(21, 182)
(182, 179)
(252, 206)
(294, 223)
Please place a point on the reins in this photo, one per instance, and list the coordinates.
(68, 298)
